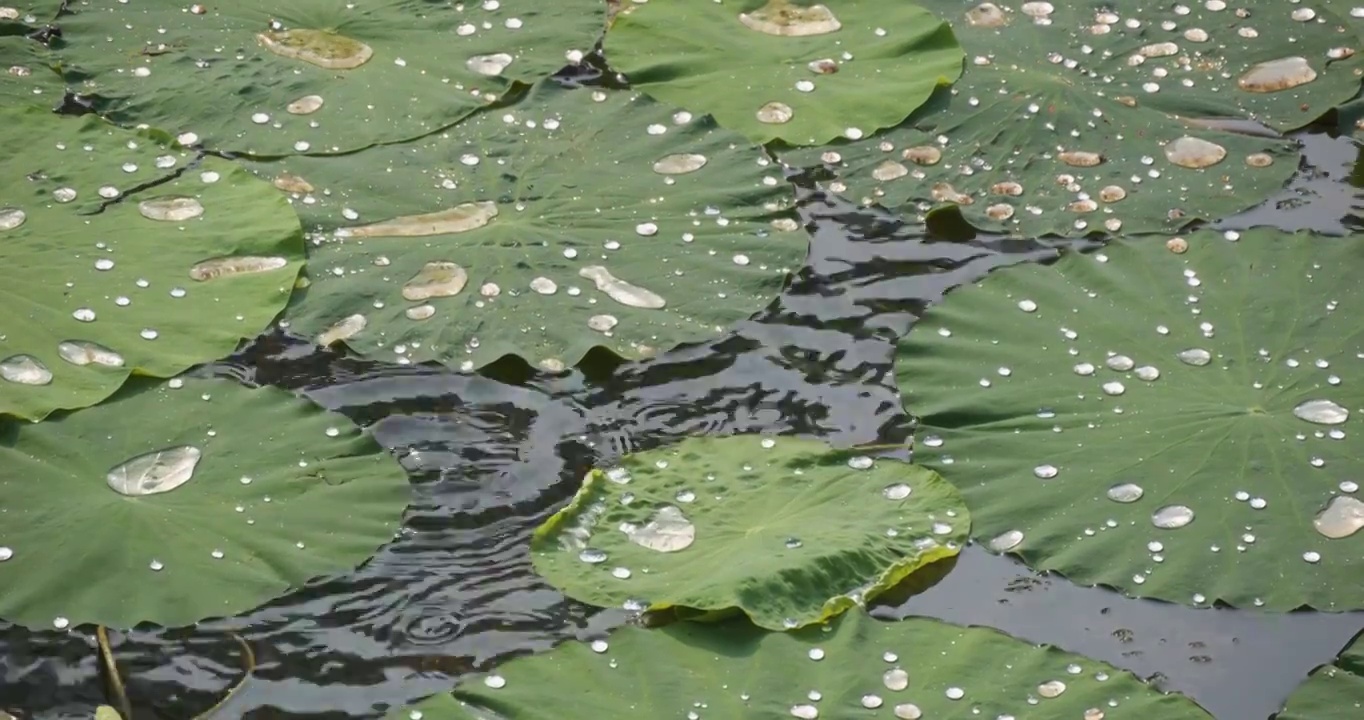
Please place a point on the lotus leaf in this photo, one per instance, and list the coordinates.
(786, 530)
(569, 220)
(791, 69)
(855, 667)
(187, 499)
(26, 74)
(1168, 418)
(1071, 120)
(121, 254)
(317, 76)
(1332, 692)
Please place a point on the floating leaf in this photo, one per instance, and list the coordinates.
(1070, 120)
(1173, 424)
(783, 529)
(802, 72)
(572, 219)
(97, 287)
(317, 76)
(1331, 692)
(858, 667)
(187, 499)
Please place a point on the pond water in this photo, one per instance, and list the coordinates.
(492, 455)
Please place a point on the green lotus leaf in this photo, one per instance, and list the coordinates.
(570, 220)
(1172, 424)
(105, 712)
(1071, 119)
(855, 667)
(786, 530)
(121, 254)
(317, 76)
(29, 12)
(1331, 692)
(791, 69)
(26, 74)
(187, 499)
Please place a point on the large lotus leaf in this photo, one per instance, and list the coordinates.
(1081, 119)
(535, 199)
(856, 667)
(26, 74)
(789, 69)
(784, 529)
(185, 499)
(98, 285)
(318, 76)
(1174, 425)
(29, 12)
(1332, 692)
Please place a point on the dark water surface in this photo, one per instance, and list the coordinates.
(491, 456)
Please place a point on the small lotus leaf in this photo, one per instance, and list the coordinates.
(1168, 418)
(1071, 119)
(105, 239)
(784, 529)
(791, 69)
(1331, 692)
(855, 667)
(317, 76)
(572, 219)
(187, 499)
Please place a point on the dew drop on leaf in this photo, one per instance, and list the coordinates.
(1005, 541)
(1172, 517)
(668, 531)
(82, 352)
(783, 19)
(1277, 75)
(436, 279)
(1341, 518)
(11, 218)
(155, 472)
(25, 370)
(240, 265)
(172, 208)
(317, 47)
(1197, 357)
(1125, 493)
(1321, 412)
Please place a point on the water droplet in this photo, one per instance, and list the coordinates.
(61, 623)
(923, 155)
(621, 291)
(860, 462)
(1080, 158)
(1046, 472)
(679, 164)
(898, 491)
(908, 711)
(170, 208)
(599, 646)
(495, 681)
(955, 693)
(793, 543)
(602, 323)
(592, 556)
(292, 184)
(647, 229)
(1125, 493)
(775, 113)
(986, 15)
(1312, 556)
(5, 553)
(668, 531)
(1121, 363)
(1006, 541)
(436, 279)
(155, 472)
(805, 712)
(104, 264)
(1147, 373)
(25, 370)
(64, 194)
(1276, 75)
(816, 654)
(489, 65)
(1197, 357)
(1027, 306)
(420, 312)
(1172, 517)
(461, 218)
(620, 573)
(784, 20)
(228, 266)
(344, 329)
(306, 105)
(871, 702)
(1114, 388)
(1051, 689)
(889, 170)
(1341, 518)
(317, 47)
(81, 352)
(1194, 153)
(1321, 412)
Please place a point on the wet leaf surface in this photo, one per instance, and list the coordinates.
(1333, 692)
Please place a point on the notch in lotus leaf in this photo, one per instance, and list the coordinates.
(569, 220)
(317, 76)
(1174, 419)
(124, 254)
(1331, 692)
(793, 70)
(786, 530)
(208, 505)
(853, 667)
(1071, 120)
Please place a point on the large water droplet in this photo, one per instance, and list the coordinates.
(1197, 357)
(895, 679)
(1194, 153)
(1125, 493)
(1121, 363)
(1343, 517)
(1321, 412)
(306, 105)
(1276, 75)
(344, 329)
(805, 712)
(908, 711)
(239, 265)
(461, 218)
(25, 370)
(986, 15)
(775, 113)
(81, 352)
(155, 472)
(170, 208)
(317, 47)
(1172, 517)
(898, 491)
(490, 65)
(436, 279)
(592, 556)
(679, 164)
(621, 291)
(782, 18)
(1051, 689)
(669, 531)
(1005, 541)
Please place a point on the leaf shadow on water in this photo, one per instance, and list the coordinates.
(492, 455)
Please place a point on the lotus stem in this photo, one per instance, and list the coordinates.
(248, 667)
(120, 696)
(884, 446)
